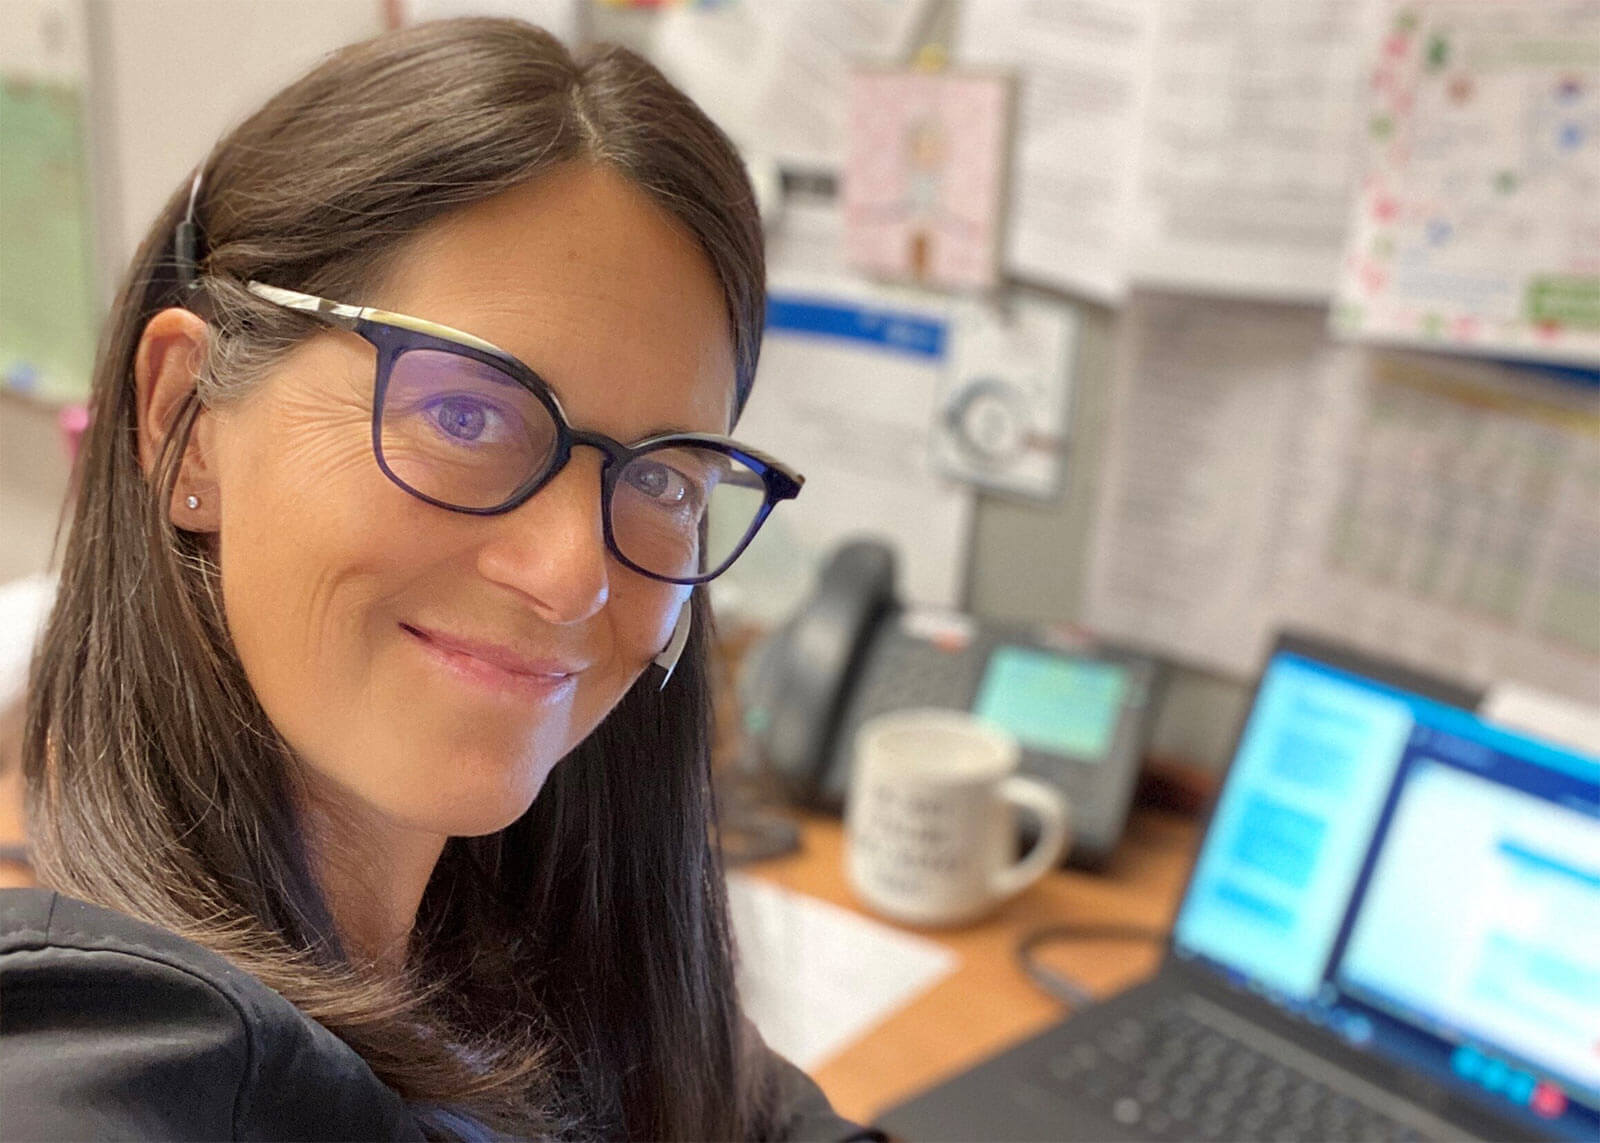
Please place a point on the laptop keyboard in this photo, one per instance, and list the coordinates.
(1176, 1076)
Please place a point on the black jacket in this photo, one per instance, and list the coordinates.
(114, 1029)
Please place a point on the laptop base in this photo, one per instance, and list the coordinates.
(1173, 1059)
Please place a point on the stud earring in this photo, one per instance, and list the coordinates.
(192, 502)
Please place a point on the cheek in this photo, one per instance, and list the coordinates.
(644, 614)
(298, 528)
(313, 540)
(640, 614)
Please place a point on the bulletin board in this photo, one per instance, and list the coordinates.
(47, 306)
(1195, 184)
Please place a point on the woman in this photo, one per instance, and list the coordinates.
(376, 682)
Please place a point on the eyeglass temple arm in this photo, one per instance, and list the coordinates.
(336, 313)
(747, 479)
(744, 478)
(350, 317)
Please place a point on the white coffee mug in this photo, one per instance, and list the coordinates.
(931, 829)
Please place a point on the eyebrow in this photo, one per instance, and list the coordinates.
(493, 372)
(662, 431)
(501, 376)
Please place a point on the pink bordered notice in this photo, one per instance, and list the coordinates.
(925, 175)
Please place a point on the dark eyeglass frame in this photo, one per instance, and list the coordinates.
(393, 335)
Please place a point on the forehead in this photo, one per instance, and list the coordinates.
(583, 277)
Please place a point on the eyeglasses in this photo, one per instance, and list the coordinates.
(464, 425)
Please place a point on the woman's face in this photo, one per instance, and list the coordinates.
(432, 666)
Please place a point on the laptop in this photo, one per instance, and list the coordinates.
(1391, 931)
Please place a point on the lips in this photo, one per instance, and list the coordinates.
(494, 656)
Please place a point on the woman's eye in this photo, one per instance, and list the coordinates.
(465, 418)
(663, 484)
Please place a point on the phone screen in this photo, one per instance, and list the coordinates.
(1052, 702)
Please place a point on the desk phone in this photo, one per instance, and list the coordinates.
(1081, 710)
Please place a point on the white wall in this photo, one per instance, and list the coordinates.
(170, 76)
(166, 78)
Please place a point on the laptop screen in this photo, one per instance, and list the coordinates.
(1421, 883)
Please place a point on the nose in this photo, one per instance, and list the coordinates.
(552, 550)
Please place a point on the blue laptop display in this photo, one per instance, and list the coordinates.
(1419, 882)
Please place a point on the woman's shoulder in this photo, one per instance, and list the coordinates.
(114, 1027)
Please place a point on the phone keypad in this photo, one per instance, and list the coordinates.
(908, 673)
(901, 672)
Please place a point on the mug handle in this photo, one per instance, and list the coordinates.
(1031, 794)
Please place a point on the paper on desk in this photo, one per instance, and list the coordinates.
(774, 75)
(1438, 510)
(1251, 145)
(1085, 71)
(1548, 716)
(814, 977)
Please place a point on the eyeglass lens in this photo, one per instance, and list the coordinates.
(464, 433)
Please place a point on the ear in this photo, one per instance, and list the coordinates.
(171, 353)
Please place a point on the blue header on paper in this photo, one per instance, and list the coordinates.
(894, 330)
(1571, 374)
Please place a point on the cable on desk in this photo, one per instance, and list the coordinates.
(1064, 988)
(749, 836)
(749, 827)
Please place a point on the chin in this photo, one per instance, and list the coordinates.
(482, 794)
(463, 816)
(479, 822)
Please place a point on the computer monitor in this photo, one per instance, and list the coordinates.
(1421, 883)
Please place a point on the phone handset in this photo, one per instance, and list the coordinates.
(804, 674)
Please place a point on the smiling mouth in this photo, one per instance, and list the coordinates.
(492, 665)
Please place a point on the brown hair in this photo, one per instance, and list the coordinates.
(554, 984)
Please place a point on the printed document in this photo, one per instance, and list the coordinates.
(1085, 71)
(1443, 511)
(1251, 145)
(774, 75)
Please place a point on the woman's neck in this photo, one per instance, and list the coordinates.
(373, 873)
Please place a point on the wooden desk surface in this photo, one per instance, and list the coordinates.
(988, 1002)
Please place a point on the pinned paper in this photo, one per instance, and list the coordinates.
(925, 174)
(1004, 405)
(1476, 227)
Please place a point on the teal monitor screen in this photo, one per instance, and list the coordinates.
(1052, 702)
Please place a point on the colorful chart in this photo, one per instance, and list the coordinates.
(1477, 226)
